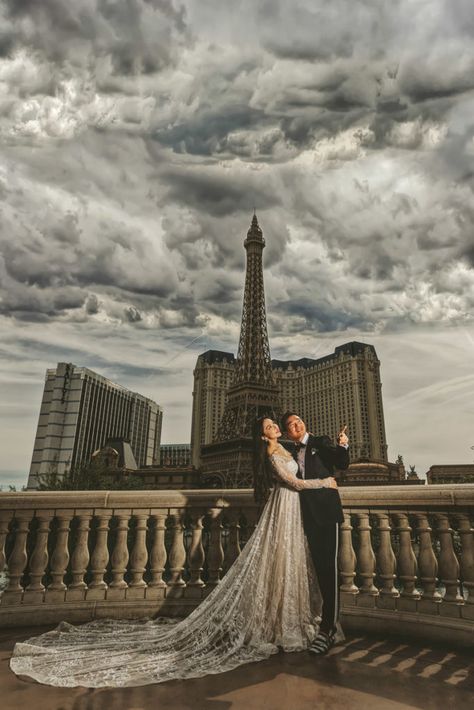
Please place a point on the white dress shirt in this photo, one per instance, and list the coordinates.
(300, 457)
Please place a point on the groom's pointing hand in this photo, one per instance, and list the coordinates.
(342, 438)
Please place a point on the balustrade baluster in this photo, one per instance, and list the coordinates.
(196, 554)
(39, 556)
(80, 554)
(5, 517)
(119, 557)
(366, 556)
(406, 563)
(386, 560)
(60, 556)
(467, 556)
(233, 541)
(448, 562)
(427, 562)
(139, 556)
(158, 551)
(215, 554)
(17, 560)
(347, 558)
(100, 556)
(177, 556)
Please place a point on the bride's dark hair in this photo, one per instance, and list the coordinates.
(262, 469)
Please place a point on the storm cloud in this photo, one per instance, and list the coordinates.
(138, 136)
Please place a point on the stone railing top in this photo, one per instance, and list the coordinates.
(441, 496)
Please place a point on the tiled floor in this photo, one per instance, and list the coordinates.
(364, 673)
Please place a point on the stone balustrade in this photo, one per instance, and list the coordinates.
(406, 555)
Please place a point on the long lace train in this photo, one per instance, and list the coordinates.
(268, 599)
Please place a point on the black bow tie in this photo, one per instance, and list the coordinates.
(299, 445)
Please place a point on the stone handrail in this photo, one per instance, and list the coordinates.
(406, 555)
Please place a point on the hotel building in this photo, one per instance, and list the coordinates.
(341, 388)
(80, 411)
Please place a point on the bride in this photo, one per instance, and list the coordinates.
(268, 600)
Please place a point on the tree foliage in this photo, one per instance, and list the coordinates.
(88, 477)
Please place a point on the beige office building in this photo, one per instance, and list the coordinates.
(341, 388)
(80, 411)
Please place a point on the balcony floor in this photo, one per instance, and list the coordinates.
(365, 672)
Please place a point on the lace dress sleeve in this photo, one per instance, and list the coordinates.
(316, 483)
(283, 472)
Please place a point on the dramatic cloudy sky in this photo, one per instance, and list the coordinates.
(136, 138)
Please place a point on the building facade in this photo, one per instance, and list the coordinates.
(175, 455)
(168, 478)
(451, 473)
(341, 388)
(212, 378)
(80, 411)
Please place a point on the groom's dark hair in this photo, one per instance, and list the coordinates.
(285, 418)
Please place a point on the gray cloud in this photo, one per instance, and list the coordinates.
(217, 194)
(137, 137)
(137, 35)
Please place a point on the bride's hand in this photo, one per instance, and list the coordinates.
(330, 482)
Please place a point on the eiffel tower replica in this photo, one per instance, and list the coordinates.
(227, 462)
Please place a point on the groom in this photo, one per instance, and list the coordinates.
(318, 457)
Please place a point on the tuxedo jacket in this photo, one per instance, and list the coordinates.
(322, 458)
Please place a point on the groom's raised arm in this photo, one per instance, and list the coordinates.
(338, 455)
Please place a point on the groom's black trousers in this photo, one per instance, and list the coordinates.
(323, 541)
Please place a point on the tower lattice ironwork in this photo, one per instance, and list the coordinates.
(253, 392)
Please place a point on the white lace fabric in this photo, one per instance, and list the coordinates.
(269, 599)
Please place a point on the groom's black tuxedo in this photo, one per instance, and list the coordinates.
(322, 512)
(322, 459)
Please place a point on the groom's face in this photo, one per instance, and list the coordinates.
(295, 427)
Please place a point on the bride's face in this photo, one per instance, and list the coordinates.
(270, 429)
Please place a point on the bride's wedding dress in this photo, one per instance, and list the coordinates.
(268, 600)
